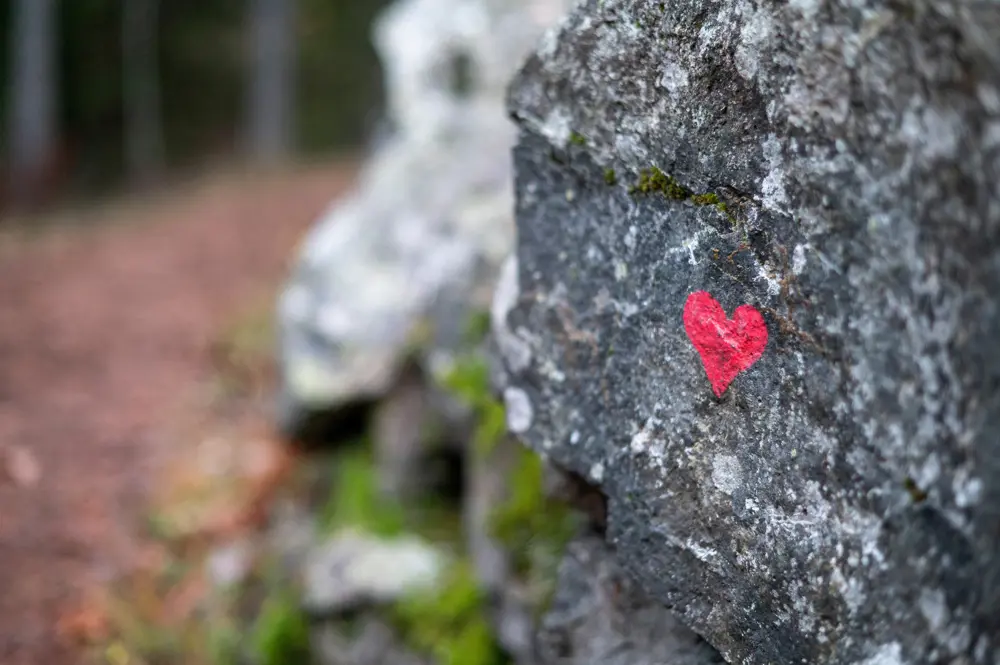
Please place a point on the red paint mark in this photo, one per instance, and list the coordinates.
(726, 346)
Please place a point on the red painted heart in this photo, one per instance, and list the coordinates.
(726, 346)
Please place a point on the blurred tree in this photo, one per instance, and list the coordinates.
(272, 90)
(139, 87)
(141, 92)
(32, 97)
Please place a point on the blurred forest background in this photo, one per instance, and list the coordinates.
(160, 160)
(99, 96)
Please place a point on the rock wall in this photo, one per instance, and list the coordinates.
(803, 464)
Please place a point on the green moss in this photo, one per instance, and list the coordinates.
(469, 381)
(916, 494)
(450, 622)
(477, 326)
(280, 636)
(706, 199)
(609, 177)
(577, 138)
(355, 500)
(534, 528)
(653, 180)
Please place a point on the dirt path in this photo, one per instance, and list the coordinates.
(103, 332)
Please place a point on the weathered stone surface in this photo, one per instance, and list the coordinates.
(416, 248)
(352, 570)
(601, 617)
(839, 503)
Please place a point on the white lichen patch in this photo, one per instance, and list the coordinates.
(851, 590)
(596, 472)
(770, 280)
(932, 133)
(887, 654)
(968, 491)
(673, 78)
(727, 475)
(520, 413)
(934, 607)
(772, 188)
(755, 39)
(798, 259)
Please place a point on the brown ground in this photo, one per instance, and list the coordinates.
(104, 336)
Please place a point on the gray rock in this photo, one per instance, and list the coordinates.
(418, 245)
(601, 617)
(368, 641)
(839, 503)
(352, 570)
(398, 425)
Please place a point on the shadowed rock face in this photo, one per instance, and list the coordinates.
(836, 165)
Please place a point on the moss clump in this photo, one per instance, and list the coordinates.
(477, 326)
(355, 500)
(450, 622)
(528, 522)
(653, 180)
(916, 494)
(577, 138)
(534, 529)
(469, 381)
(706, 199)
(280, 635)
(610, 178)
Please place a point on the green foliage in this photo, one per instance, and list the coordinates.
(610, 178)
(280, 636)
(577, 139)
(469, 381)
(356, 501)
(533, 527)
(450, 621)
(477, 327)
(224, 643)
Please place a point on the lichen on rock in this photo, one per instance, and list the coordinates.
(836, 504)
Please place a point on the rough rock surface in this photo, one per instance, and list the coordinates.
(416, 248)
(601, 617)
(835, 164)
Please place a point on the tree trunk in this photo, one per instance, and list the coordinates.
(271, 99)
(143, 125)
(32, 120)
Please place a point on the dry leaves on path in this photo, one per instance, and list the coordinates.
(104, 330)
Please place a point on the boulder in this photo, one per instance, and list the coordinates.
(403, 262)
(754, 301)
